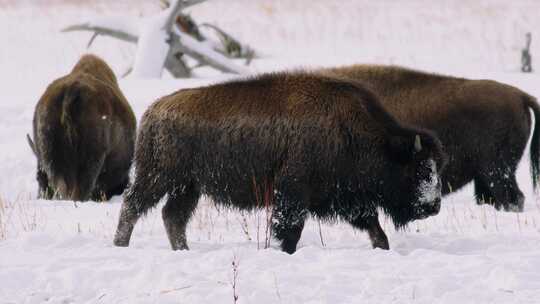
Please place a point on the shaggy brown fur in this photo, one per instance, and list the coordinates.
(84, 135)
(484, 125)
(314, 145)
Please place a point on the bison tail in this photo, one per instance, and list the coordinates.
(69, 102)
(535, 141)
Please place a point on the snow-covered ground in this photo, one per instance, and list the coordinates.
(61, 252)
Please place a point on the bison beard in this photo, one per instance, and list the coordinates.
(84, 135)
(319, 146)
(484, 126)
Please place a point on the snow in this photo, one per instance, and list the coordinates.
(129, 25)
(61, 252)
(152, 47)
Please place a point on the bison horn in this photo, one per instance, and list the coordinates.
(31, 143)
(417, 143)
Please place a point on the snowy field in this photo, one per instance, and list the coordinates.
(61, 252)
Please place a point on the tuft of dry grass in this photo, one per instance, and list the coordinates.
(234, 280)
(3, 219)
(19, 215)
(264, 198)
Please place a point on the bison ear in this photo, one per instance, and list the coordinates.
(31, 143)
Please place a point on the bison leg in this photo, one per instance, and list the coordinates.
(144, 194)
(376, 234)
(116, 189)
(45, 191)
(482, 193)
(288, 219)
(176, 214)
(88, 178)
(500, 191)
(128, 218)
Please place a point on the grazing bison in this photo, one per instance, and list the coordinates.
(484, 125)
(313, 145)
(84, 135)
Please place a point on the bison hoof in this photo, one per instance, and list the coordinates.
(180, 247)
(513, 208)
(288, 248)
(382, 244)
(118, 242)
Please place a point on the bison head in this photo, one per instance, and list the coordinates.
(415, 192)
(60, 180)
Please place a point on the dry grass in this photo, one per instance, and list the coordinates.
(3, 219)
(217, 225)
(20, 215)
(264, 199)
(234, 280)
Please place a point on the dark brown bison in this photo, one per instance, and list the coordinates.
(313, 144)
(484, 125)
(84, 135)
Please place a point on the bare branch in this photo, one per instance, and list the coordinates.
(173, 12)
(183, 43)
(232, 48)
(101, 30)
(166, 4)
(92, 40)
(158, 38)
(176, 66)
(127, 72)
(231, 45)
(189, 3)
(179, 43)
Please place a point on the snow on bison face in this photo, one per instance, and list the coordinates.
(429, 190)
(416, 191)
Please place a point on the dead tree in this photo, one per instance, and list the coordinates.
(526, 59)
(167, 38)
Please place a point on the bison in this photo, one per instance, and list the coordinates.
(484, 125)
(314, 145)
(84, 135)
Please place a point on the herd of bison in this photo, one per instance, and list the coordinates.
(338, 144)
